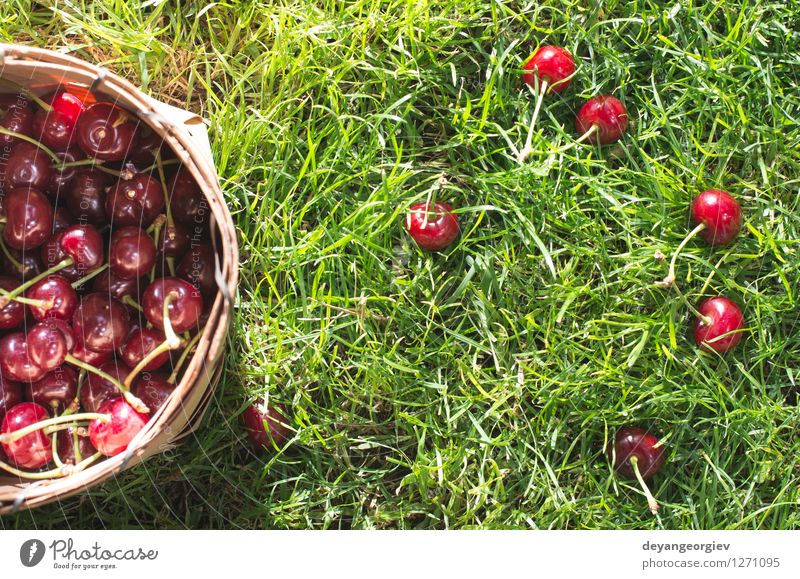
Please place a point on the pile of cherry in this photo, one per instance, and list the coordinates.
(105, 275)
(635, 453)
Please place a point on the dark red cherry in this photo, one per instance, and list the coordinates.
(106, 132)
(28, 166)
(139, 344)
(59, 295)
(56, 390)
(109, 284)
(16, 115)
(720, 213)
(112, 438)
(433, 228)
(552, 64)
(188, 204)
(29, 219)
(197, 267)
(62, 219)
(144, 155)
(100, 322)
(47, 346)
(267, 425)
(15, 362)
(10, 394)
(83, 243)
(631, 441)
(61, 179)
(608, 114)
(12, 313)
(96, 359)
(33, 450)
(173, 241)
(131, 253)
(66, 447)
(185, 307)
(30, 264)
(96, 391)
(56, 128)
(135, 201)
(86, 196)
(724, 330)
(153, 390)
(65, 328)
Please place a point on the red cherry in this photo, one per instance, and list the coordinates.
(28, 166)
(432, 228)
(61, 179)
(56, 390)
(10, 394)
(184, 309)
(66, 445)
(608, 114)
(16, 115)
(55, 127)
(96, 391)
(15, 361)
(29, 219)
(106, 132)
(59, 296)
(33, 450)
(12, 314)
(267, 426)
(153, 390)
(101, 322)
(552, 64)
(117, 288)
(198, 268)
(723, 333)
(47, 346)
(188, 204)
(84, 354)
(83, 243)
(113, 437)
(136, 201)
(131, 253)
(631, 441)
(139, 344)
(720, 213)
(86, 196)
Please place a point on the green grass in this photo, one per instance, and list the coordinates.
(478, 387)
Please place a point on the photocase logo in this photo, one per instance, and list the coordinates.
(31, 553)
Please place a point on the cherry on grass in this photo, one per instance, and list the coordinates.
(602, 119)
(549, 69)
(433, 228)
(718, 219)
(33, 450)
(637, 454)
(267, 425)
(106, 132)
(720, 326)
(113, 437)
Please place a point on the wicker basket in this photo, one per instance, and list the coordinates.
(43, 70)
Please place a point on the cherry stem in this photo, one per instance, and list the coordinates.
(651, 501)
(10, 437)
(129, 301)
(8, 255)
(592, 130)
(669, 281)
(47, 107)
(172, 342)
(137, 404)
(54, 447)
(185, 354)
(55, 269)
(162, 177)
(63, 471)
(527, 149)
(88, 276)
(32, 141)
(4, 297)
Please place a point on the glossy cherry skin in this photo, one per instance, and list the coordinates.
(62, 220)
(29, 219)
(15, 362)
(33, 450)
(135, 201)
(86, 196)
(726, 320)
(198, 267)
(267, 425)
(83, 243)
(720, 213)
(112, 438)
(100, 323)
(552, 64)
(10, 394)
(56, 128)
(60, 179)
(109, 284)
(610, 116)
(131, 253)
(60, 297)
(55, 390)
(433, 228)
(66, 445)
(47, 346)
(139, 344)
(153, 390)
(149, 144)
(184, 309)
(106, 132)
(96, 359)
(11, 314)
(31, 265)
(28, 166)
(173, 241)
(96, 391)
(187, 202)
(630, 441)
(16, 115)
